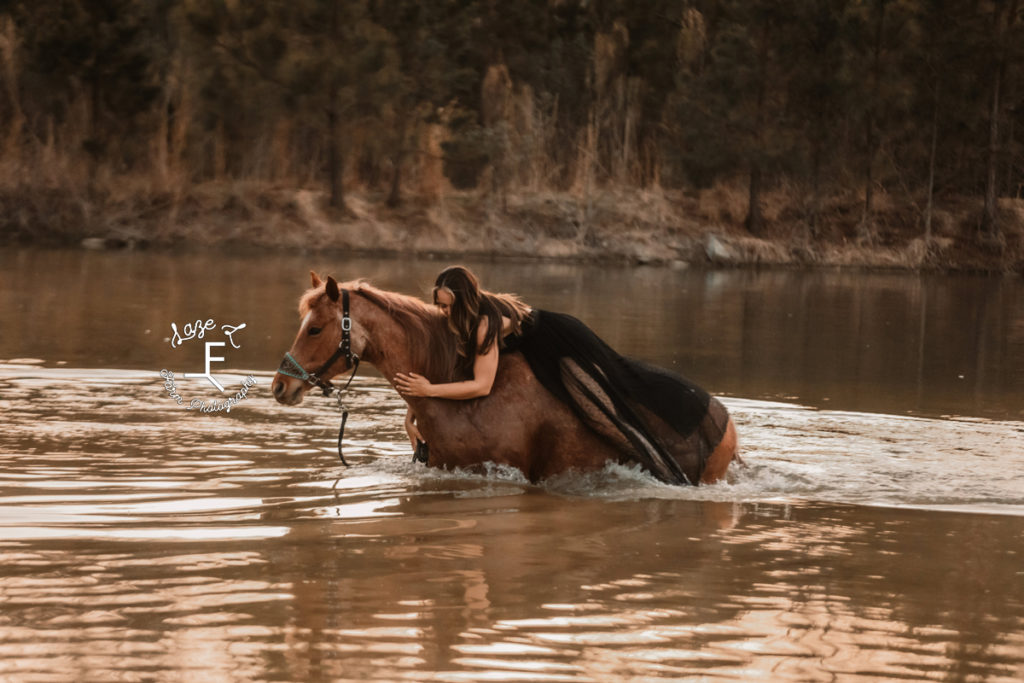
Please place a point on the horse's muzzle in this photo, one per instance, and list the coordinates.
(287, 391)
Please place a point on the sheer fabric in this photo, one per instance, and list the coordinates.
(655, 417)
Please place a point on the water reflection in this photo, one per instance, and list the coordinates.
(737, 599)
(400, 576)
(141, 542)
(880, 342)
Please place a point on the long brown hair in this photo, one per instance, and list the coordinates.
(471, 305)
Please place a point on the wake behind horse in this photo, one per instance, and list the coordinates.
(519, 424)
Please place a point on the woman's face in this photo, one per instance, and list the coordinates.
(444, 300)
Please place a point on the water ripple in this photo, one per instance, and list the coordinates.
(140, 541)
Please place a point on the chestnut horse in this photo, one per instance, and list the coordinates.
(519, 424)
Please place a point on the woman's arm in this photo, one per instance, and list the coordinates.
(485, 367)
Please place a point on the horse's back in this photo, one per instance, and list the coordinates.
(519, 424)
(556, 440)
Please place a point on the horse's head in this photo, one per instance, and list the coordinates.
(323, 348)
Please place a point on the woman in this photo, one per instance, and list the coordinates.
(668, 424)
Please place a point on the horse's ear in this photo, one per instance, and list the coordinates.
(316, 279)
(332, 289)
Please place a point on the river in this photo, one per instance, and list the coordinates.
(875, 532)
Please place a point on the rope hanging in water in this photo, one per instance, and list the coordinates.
(291, 367)
(344, 410)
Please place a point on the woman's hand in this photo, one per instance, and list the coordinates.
(413, 385)
(412, 430)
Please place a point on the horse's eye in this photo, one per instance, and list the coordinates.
(313, 331)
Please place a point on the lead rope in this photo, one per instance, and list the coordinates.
(344, 410)
(291, 367)
(345, 347)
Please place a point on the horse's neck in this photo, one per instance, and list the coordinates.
(392, 352)
(391, 347)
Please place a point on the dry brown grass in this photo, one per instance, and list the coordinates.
(62, 203)
(724, 204)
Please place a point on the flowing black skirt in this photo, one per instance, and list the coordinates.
(652, 416)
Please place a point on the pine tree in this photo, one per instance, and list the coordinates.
(326, 59)
(1005, 36)
(94, 52)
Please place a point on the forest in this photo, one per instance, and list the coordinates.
(876, 132)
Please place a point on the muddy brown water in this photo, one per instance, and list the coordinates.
(877, 531)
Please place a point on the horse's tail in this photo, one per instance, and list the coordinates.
(718, 423)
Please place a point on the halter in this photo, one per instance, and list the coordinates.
(292, 368)
(289, 365)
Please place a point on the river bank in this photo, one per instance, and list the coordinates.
(640, 226)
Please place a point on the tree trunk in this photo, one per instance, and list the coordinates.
(755, 221)
(395, 195)
(94, 148)
(931, 166)
(866, 228)
(586, 208)
(816, 152)
(866, 231)
(9, 54)
(334, 161)
(334, 157)
(181, 126)
(989, 223)
(220, 151)
(397, 159)
(162, 142)
(1011, 142)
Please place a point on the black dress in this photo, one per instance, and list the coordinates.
(655, 417)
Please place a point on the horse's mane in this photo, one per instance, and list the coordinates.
(432, 344)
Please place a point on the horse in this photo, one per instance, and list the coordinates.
(520, 424)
